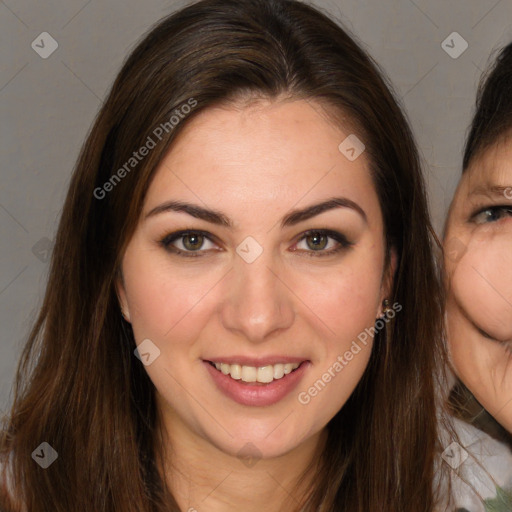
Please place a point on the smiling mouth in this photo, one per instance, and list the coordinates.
(256, 375)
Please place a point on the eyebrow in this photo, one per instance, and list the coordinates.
(292, 218)
(490, 190)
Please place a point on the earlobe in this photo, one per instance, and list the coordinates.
(125, 315)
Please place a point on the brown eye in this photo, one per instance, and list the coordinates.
(317, 241)
(193, 241)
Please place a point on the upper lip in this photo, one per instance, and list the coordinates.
(258, 362)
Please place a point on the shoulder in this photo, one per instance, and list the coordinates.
(480, 470)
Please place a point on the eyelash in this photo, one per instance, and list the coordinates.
(503, 208)
(166, 242)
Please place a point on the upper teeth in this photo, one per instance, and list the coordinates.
(263, 374)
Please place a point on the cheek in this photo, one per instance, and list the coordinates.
(341, 306)
(165, 300)
(482, 285)
(347, 300)
(351, 296)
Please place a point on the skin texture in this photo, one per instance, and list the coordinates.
(255, 163)
(479, 277)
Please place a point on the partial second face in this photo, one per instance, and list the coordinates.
(478, 261)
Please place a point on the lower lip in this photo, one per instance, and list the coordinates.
(257, 394)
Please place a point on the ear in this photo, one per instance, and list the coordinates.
(388, 279)
(121, 296)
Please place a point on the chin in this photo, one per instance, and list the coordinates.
(262, 441)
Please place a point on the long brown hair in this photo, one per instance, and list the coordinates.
(79, 386)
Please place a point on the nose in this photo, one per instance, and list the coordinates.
(258, 303)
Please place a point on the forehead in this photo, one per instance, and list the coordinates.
(269, 150)
(489, 171)
(267, 129)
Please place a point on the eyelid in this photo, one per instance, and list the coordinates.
(491, 207)
(171, 237)
(327, 232)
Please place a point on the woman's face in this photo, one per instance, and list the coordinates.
(478, 259)
(221, 269)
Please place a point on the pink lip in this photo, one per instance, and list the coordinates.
(257, 394)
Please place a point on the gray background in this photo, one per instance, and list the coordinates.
(47, 106)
